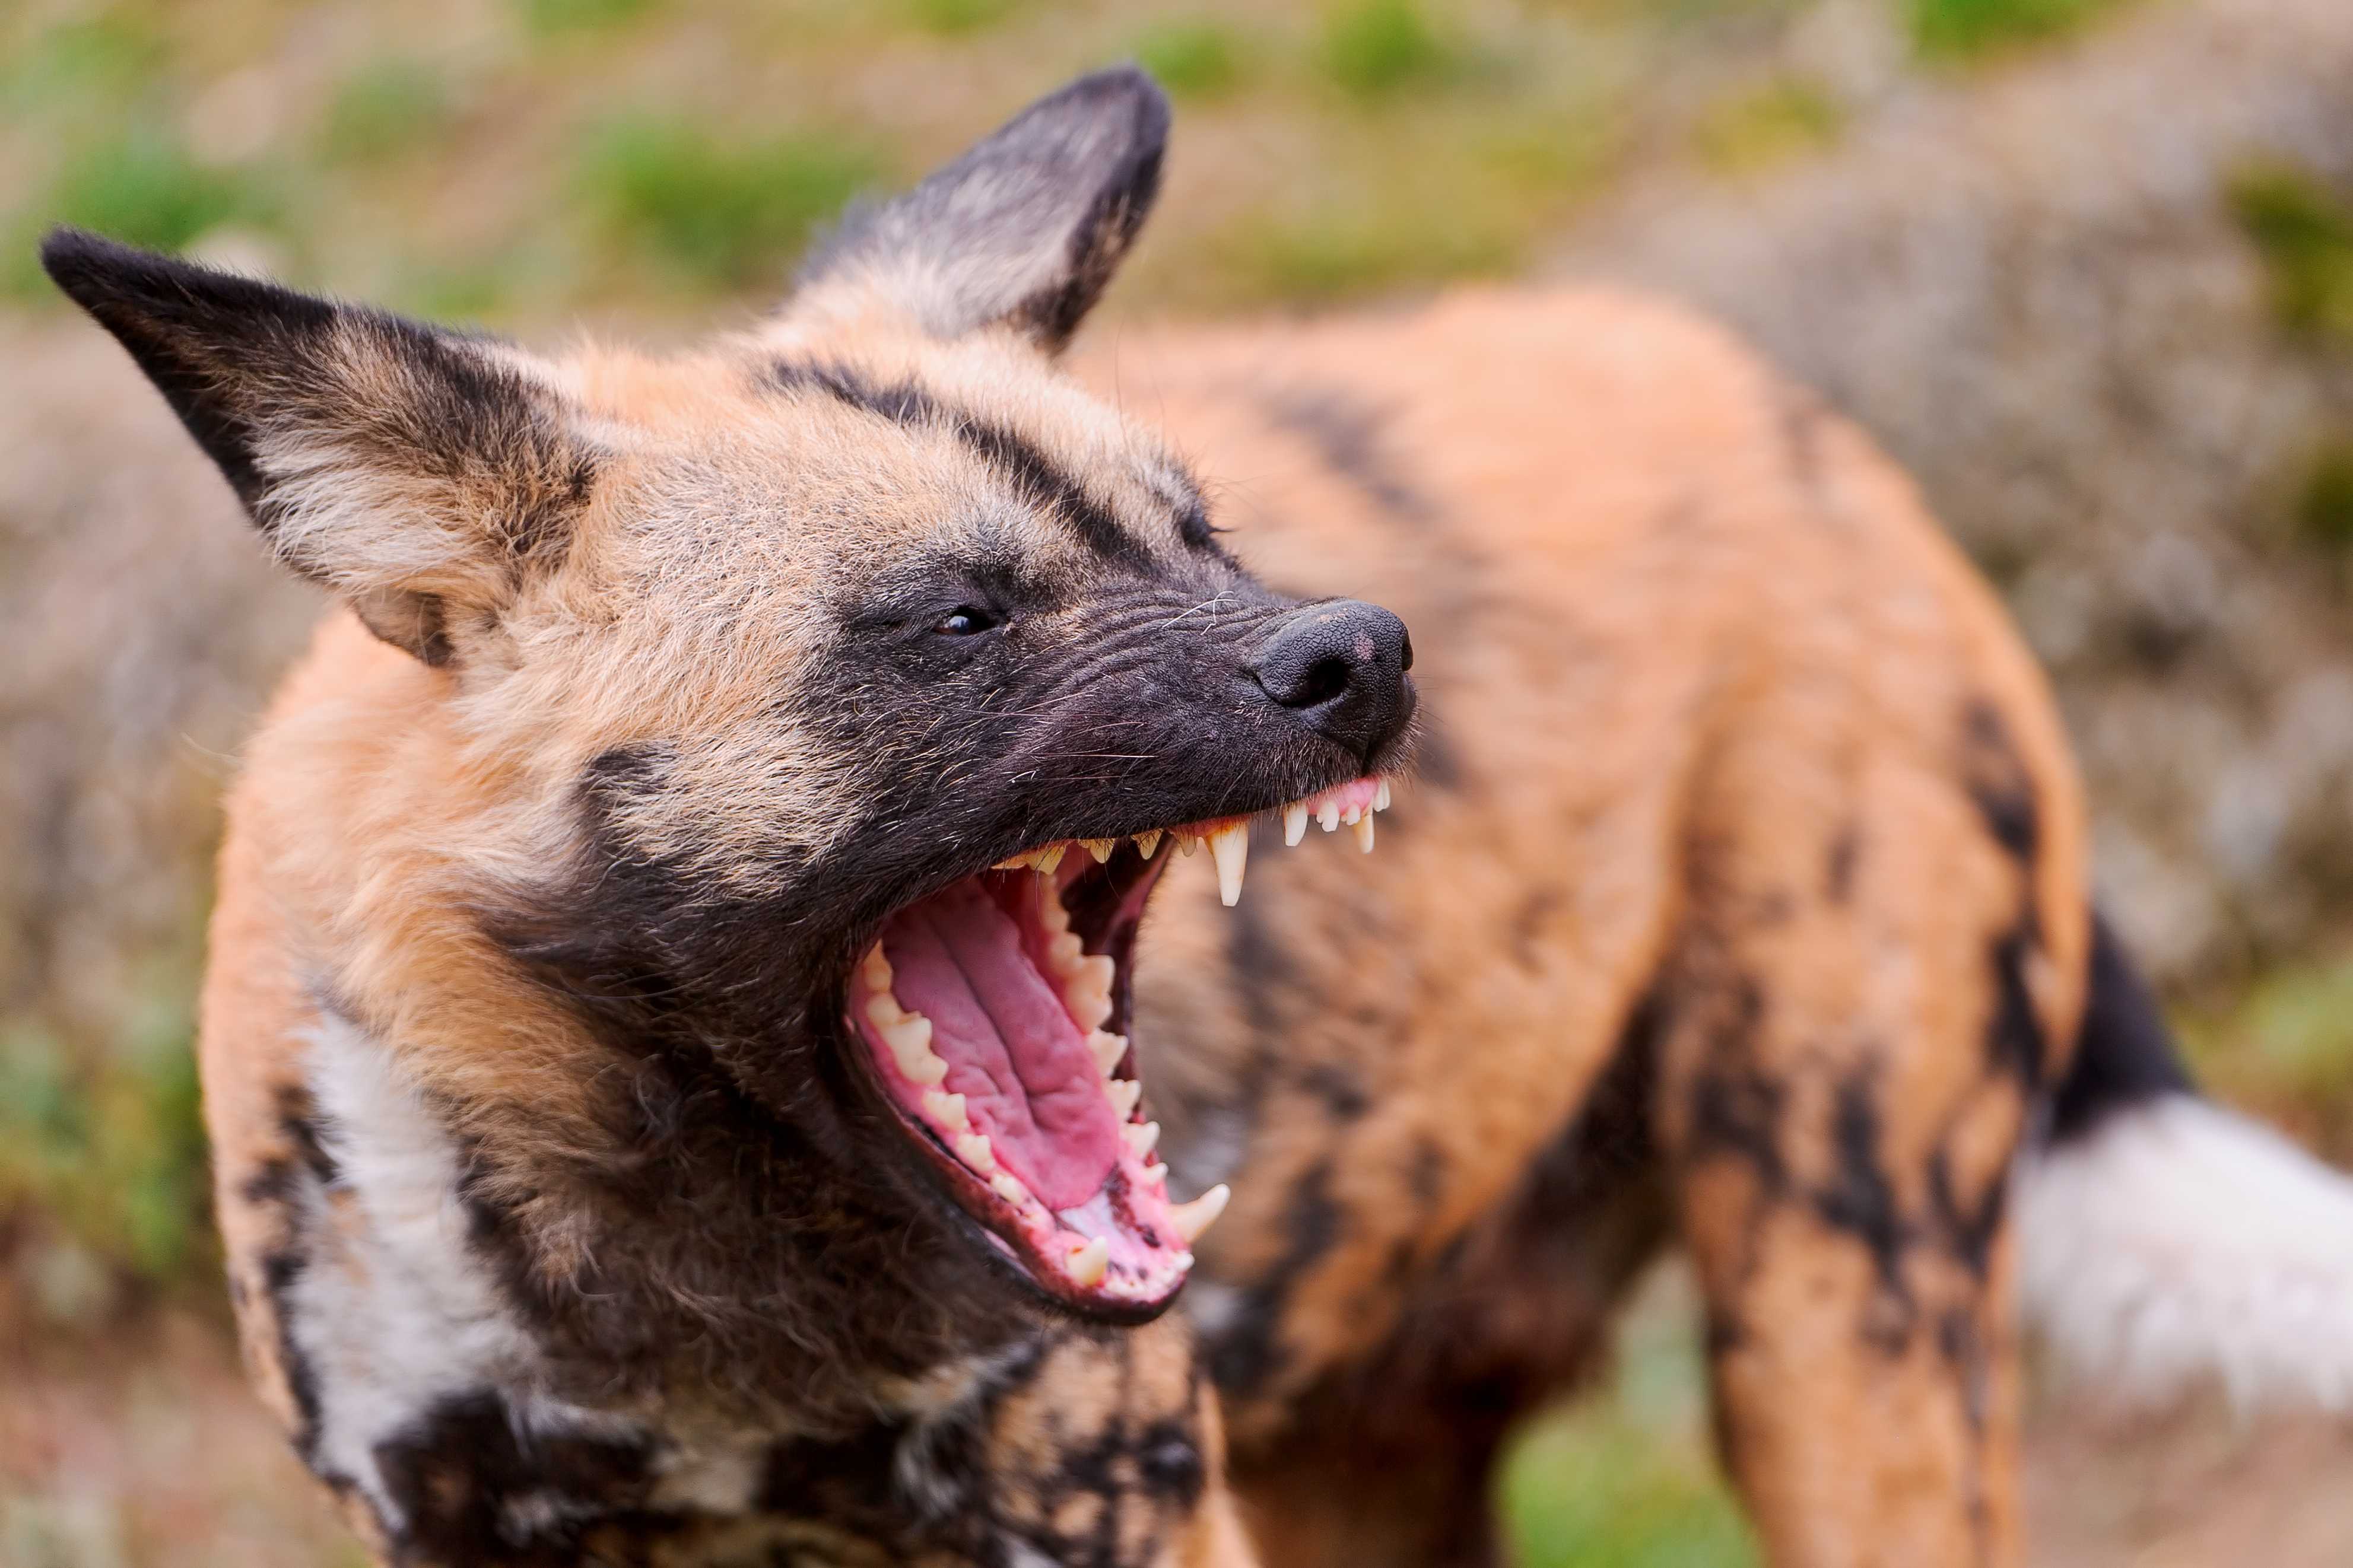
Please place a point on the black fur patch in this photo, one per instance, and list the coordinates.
(1999, 782)
(1249, 1349)
(1346, 435)
(471, 1485)
(2125, 1053)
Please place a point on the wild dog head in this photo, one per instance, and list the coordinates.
(844, 687)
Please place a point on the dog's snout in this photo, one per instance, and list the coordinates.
(1341, 667)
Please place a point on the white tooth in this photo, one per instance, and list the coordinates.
(973, 1149)
(1327, 816)
(911, 1045)
(1295, 824)
(1052, 914)
(1186, 842)
(1099, 849)
(1353, 816)
(1365, 833)
(1141, 1136)
(1012, 862)
(875, 969)
(1088, 1262)
(1382, 796)
(1199, 1216)
(1155, 1175)
(1064, 951)
(1087, 992)
(1145, 843)
(882, 1010)
(1183, 1260)
(1230, 848)
(1109, 1049)
(1010, 1190)
(1124, 1092)
(947, 1109)
(1049, 860)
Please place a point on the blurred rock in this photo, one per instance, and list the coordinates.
(2030, 285)
(144, 624)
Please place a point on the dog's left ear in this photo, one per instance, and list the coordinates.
(1024, 230)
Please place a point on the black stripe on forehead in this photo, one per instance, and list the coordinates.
(1014, 457)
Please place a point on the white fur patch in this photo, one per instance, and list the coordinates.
(2178, 1243)
(392, 1310)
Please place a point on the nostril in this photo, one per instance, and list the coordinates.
(1325, 680)
(1405, 649)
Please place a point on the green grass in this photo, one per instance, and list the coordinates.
(1378, 49)
(1782, 119)
(957, 18)
(109, 1146)
(1624, 1479)
(1197, 61)
(723, 211)
(1963, 28)
(2284, 1047)
(2303, 232)
(548, 18)
(2324, 511)
(137, 185)
(388, 108)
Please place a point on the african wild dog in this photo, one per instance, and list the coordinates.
(666, 1044)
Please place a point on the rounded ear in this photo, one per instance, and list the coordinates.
(1024, 230)
(410, 470)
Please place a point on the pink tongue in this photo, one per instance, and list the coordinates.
(1027, 1074)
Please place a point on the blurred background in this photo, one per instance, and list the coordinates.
(2086, 266)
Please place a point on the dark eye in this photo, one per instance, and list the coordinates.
(964, 621)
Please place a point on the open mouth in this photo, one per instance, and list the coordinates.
(996, 1014)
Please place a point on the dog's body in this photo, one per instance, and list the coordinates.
(1740, 898)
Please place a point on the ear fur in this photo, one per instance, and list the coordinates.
(409, 468)
(1024, 230)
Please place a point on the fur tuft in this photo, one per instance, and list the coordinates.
(2174, 1242)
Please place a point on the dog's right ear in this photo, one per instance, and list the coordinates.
(416, 472)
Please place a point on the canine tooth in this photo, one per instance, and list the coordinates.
(1088, 1261)
(882, 1011)
(1049, 860)
(1141, 1136)
(1295, 824)
(1230, 848)
(1365, 833)
(1145, 843)
(1382, 796)
(875, 969)
(1010, 1190)
(1124, 1092)
(1327, 816)
(973, 1149)
(947, 1109)
(1199, 1216)
(1099, 849)
(1109, 1049)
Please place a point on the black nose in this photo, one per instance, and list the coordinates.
(1341, 667)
